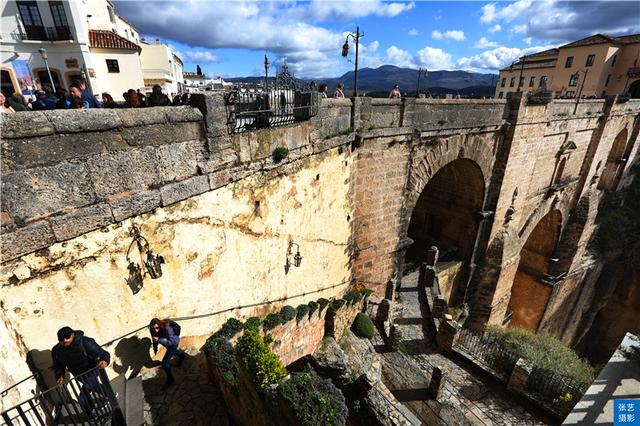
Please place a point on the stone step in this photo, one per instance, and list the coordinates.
(134, 402)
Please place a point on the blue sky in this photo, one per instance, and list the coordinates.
(231, 38)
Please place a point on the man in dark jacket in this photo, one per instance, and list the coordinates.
(79, 353)
(87, 95)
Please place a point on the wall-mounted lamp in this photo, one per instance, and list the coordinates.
(297, 258)
(153, 262)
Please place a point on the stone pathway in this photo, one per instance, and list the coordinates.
(194, 400)
(482, 399)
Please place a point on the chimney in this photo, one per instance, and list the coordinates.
(157, 41)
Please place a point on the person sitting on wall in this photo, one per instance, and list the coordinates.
(339, 93)
(18, 102)
(108, 102)
(166, 333)
(86, 94)
(78, 354)
(132, 100)
(76, 101)
(3, 104)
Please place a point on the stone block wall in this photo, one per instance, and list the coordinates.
(336, 322)
(295, 339)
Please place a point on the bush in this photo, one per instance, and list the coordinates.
(262, 365)
(353, 297)
(253, 323)
(363, 326)
(313, 306)
(271, 321)
(224, 357)
(287, 313)
(544, 351)
(314, 400)
(280, 153)
(231, 328)
(322, 303)
(336, 305)
(301, 311)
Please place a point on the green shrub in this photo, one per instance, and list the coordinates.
(231, 328)
(363, 326)
(301, 311)
(271, 321)
(280, 153)
(336, 305)
(322, 303)
(262, 365)
(544, 351)
(313, 306)
(314, 400)
(367, 292)
(287, 313)
(224, 357)
(353, 297)
(253, 323)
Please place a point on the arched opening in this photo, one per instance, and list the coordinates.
(634, 89)
(531, 287)
(558, 178)
(445, 216)
(616, 162)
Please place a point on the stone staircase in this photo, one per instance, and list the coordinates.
(130, 398)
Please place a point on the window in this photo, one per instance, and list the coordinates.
(613, 61)
(532, 81)
(606, 83)
(500, 95)
(521, 82)
(58, 13)
(573, 80)
(504, 81)
(112, 65)
(570, 93)
(112, 16)
(30, 16)
(513, 82)
(590, 60)
(43, 76)
(569, 62)
(559, 171)
(543, 81)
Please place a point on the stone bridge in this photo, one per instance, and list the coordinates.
(507, 190)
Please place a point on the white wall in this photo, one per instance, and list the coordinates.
(129, 77)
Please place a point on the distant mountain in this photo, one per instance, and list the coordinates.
(383, 78)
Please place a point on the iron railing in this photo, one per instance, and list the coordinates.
(485, 350)
(277, 106)
(41, 33)
(86, 399)
(559, 392)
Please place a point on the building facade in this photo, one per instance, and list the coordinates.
(161, 66)
(595, 66)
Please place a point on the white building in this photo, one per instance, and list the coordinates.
(82, 38)
(162, 67)
(199, 83)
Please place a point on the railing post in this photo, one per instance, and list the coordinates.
(447, 334)
(117, 417)
(519, 376)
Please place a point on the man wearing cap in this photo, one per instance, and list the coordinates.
(78, 353)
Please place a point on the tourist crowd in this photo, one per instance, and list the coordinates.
(79, 97)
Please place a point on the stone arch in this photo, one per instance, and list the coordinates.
(445, 216)
(560, 202)
(439, 153)
(616, 161)
(532, 283)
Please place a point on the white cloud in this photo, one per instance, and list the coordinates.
(495, 28)
(496, 58)
(455, 35)
(199, 56)
(508, 13)
(527, 40)
(373, 46)
(485, 43)
(519, 29)
(433, 58)
(292, 29)
(413, 32)
(488, 13)
(399, 58)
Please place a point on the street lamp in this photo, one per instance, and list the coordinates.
(345, 52)
(421, 72)
(266, 71)
(43, 53)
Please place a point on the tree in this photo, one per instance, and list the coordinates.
(198, 70)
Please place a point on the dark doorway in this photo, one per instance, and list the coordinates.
(43, 77)
(445, 216)
(634, 89)
(616, 162)
(7, 84)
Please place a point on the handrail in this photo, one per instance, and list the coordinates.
(6, 391)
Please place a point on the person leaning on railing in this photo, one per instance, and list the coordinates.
(78, 354)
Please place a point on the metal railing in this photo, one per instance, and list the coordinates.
(86, 399)
(485, 350)
(250, 110)
(46, 33)
(559, 392)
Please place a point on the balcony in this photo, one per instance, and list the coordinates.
(46, 34)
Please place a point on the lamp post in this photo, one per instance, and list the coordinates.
(420, 73)
(345, 52)
(266, 71)
(43, 53)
